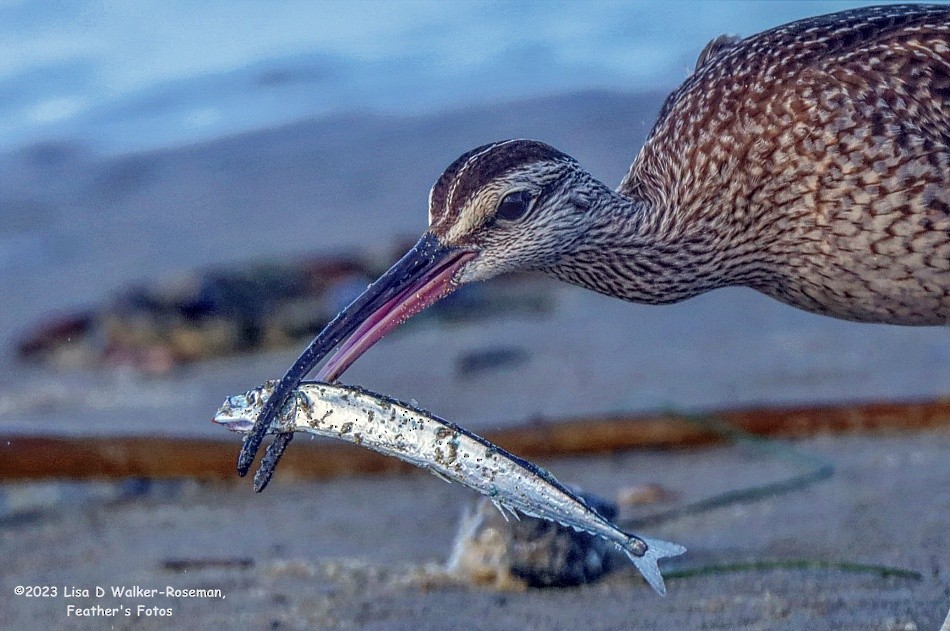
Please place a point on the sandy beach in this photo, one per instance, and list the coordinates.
(367, 553)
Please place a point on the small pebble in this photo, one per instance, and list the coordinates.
(643, 494)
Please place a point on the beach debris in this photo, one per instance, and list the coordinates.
(512, 554)
(197, 564)
(247, 308)
(484, 360)
(644, 494)
(155, 327)
(450, 452)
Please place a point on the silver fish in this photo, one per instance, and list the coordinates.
(445, 449)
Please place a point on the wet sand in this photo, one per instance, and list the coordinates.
(366, 553)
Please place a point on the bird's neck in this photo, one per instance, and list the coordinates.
(633, 251)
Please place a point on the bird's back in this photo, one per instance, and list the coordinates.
(817, 155)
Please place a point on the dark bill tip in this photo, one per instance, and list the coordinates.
(270, 460)
(417, 264)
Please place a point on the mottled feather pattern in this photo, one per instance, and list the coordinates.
(810, 162)
(818, 154)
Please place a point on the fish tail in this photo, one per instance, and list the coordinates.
(646, 561)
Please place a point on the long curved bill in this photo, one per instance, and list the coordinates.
(420, 278)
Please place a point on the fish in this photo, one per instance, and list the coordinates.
(445, 449)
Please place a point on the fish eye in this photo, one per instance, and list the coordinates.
(514, 206)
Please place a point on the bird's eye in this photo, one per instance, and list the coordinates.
(514, 206)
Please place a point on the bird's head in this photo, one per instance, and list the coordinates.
(513, 205)
(501, 207)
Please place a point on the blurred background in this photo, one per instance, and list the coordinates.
(190, 190)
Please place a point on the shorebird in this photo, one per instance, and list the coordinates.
(810, 162)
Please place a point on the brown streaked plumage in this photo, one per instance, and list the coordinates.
(810, 162)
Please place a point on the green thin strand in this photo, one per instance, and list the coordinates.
(882, 571)
(819, 469)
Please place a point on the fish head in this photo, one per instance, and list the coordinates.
(239, 412)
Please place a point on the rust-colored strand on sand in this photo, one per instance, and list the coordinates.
(26, 457)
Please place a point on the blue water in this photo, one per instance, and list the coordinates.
(133, 75)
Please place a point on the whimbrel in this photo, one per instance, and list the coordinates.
(810, 162)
